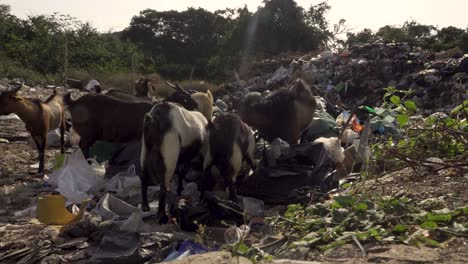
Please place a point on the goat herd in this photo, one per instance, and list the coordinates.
(174, 131)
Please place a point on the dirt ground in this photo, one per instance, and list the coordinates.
(20, 185)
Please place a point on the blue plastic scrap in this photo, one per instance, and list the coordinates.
(187, 248)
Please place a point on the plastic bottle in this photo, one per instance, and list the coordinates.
(234, 234)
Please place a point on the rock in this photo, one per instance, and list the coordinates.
(216, 257)
(298, 253)
(291, 261)
(404, 254)
(326, 55)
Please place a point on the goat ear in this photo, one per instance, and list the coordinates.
(301, 89)
(14, 88)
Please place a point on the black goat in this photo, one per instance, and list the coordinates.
(230, 141)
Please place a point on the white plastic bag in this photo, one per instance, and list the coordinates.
(53, 138)
(76, 179)
(124, 183)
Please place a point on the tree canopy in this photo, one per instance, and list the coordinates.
(175, 43)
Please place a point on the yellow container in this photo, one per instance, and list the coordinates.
(51, 210)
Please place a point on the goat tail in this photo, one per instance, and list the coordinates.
(51, 97)
(68, 100)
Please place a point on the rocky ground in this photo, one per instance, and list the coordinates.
(22, 234)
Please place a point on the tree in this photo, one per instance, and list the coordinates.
(281, 27)
(169, 38)
(448, 37)
(364, 36)
(392, 34)
(419, 34)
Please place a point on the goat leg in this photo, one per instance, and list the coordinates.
(42, 147)
(163, 219)
(182, 171)
(62, 135)
(250, 161)
(180, 177)
(144, 196)
(232, 190)
(206, 183)
(229, 174)
(85, 145)
(37, 141)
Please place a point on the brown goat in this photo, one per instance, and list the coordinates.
(102, 117)
(39, 117)
(284, 114)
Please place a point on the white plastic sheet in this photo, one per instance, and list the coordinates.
(112, 208)
(76, 179)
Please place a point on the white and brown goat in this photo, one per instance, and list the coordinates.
(172, 136)
(40, 117)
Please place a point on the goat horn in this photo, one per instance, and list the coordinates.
(180, 89)
(170, 84)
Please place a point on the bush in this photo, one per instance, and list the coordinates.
(10, 70)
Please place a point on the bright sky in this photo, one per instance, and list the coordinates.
(115, 15)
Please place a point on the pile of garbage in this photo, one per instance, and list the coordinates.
(96, 202)
(357, 76)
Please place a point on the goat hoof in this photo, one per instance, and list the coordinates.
(145, 208)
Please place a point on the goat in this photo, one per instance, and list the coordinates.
(142, 88)
(284, 114)
(102, 117)
(205, 103)
(172, 136)
(230, 141)
(40, 117)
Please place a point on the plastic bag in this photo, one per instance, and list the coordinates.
(277, 148)
(76, 180)
(123, 182)
(53, 138)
